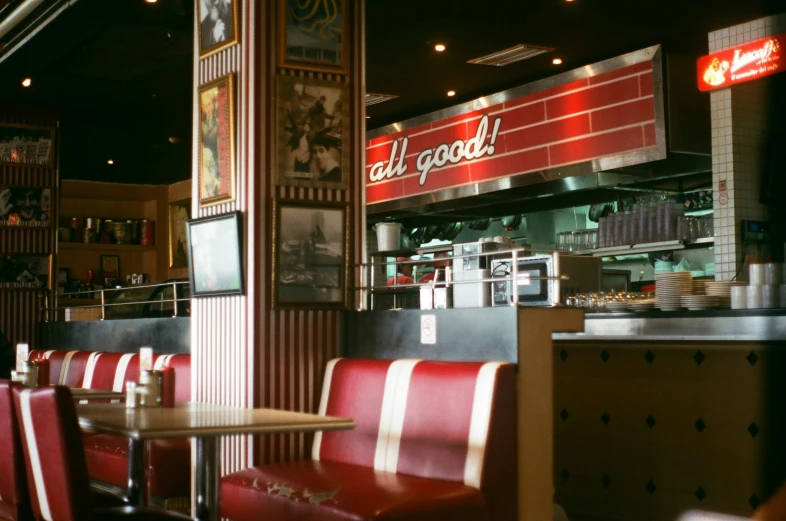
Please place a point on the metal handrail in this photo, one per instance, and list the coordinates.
(104, 304)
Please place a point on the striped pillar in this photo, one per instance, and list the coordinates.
(244, 351)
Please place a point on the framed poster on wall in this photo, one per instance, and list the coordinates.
(218, 25)
(26, 144)
(24, 206)
(310, 254)
(215, 256)
(25, 272)
(216, 141)
(312, 138)
(313, 35)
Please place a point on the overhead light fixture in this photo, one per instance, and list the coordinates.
(26, 82)
(368, 117)
(110, 162)
(174, 139)
(451, 93)
(440, 47)
(151, 1)
(557, 61)
(373, 99)
(511, 55)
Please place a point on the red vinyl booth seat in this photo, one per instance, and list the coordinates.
(433, 441)
(169, 461)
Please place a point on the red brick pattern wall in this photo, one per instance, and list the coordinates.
(603, 115)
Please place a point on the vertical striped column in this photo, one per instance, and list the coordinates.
(244, 352)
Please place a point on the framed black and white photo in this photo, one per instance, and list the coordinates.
(218, 25)
(310, 252)
(312, 134)
(215, 264)
(25, 272)
(313, 35)
(26, 207)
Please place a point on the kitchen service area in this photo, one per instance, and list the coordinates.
(602, 188)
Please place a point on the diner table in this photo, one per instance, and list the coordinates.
(81, 393)
(206, 423)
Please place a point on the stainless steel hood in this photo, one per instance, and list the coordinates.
(684, 164)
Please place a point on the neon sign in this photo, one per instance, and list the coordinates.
(743, 63)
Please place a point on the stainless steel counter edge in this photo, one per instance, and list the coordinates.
(722, 328)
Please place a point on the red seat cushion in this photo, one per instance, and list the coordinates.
(330, 491)
(169, 472)
(14, 499)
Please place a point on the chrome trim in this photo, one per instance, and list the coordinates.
(618, 62)
(560, 173)
(727, 326)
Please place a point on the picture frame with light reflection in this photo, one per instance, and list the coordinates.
(313, 35)
(216, 141)
(218, 26)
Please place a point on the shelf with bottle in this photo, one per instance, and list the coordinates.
(650, 247)
(80, 246)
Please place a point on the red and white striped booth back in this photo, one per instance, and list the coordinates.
(14, 501)
(452, 421)
(54, 458)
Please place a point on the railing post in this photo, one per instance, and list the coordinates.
(103, 308)
(174, 298)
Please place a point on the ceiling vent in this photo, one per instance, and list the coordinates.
(511, 55)
(373, 99)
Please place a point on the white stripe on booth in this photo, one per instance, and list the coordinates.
(120, 372)
(64, 369)
(479, 423)
(394, 408)
(316, 447)
(47, 354)
(35, 460)
(87, 382)
(162, 362)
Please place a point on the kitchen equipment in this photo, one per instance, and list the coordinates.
(511, 222)
(583, 276)
(473, 248)
(471, 294)
(388, 236)
(480, 224)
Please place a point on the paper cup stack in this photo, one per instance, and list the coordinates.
(765, 286)
(670, 287)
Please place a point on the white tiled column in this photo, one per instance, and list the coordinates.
(738, 122)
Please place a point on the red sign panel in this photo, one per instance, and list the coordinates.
(747, 62)
(604, 115)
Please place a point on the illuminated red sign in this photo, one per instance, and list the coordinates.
(747, 62)
(604, 115)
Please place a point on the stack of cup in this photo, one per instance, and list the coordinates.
(765, 286)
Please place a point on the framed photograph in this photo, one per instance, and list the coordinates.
(26, 144)
(179, 214)
(218, 25)
(63, 279)
(216, 141)
(110, 266)
(215, 265)
(23, 272)
(313, 35)
(26, 207)
(310, 254)
(312, 137)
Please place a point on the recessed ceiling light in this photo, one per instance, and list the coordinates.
(174, 139)
(557, 61)
(368, 117)
(440, 47)
(451, 93)
(154, 1)
(26, 82)
(110, 162)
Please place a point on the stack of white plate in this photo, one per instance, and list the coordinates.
(641, 305)
(670, 287)
(720, 289)
(700, 286)
(617, 307)
(698, 302)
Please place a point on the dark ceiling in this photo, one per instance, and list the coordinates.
(120, 71)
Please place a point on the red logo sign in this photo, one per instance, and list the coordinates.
(744, 63)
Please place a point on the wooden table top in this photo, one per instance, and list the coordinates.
(200, 419)
(81, 393)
